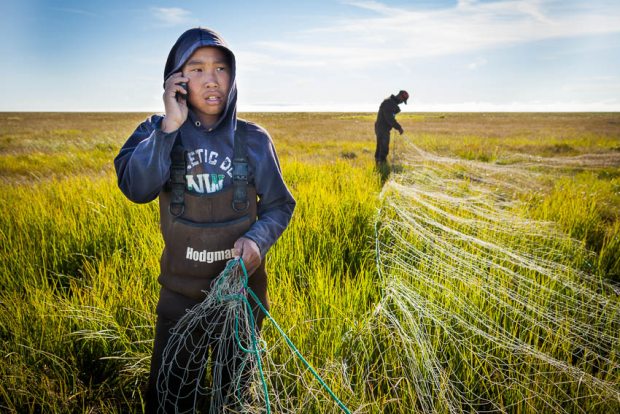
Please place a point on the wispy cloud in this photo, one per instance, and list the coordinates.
(373, 6)
(477, 64)
(74, 11)
(402, 33)
(172, 16)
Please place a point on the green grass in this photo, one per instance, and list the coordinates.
(585, 207)
(79, 262)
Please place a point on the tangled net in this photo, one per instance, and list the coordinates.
(214, 343)
(489, 312)
(213, 356)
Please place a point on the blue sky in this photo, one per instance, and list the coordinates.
(342, 55)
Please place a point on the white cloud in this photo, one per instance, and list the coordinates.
(476, 64)
(172, 16)
(373, 6)
(74, 11)
(402, 33)
(365, 55)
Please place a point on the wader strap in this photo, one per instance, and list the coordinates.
(240, 169)
(177, 179)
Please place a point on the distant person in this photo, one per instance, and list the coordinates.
(386, 120)
(221, 194)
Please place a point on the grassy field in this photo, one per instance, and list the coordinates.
(478, 272)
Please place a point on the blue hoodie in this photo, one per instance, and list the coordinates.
(143, 163)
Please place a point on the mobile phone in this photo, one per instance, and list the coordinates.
(182, 95)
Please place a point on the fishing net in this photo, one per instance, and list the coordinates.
(215, 362)
(482, 310)
(212, 351)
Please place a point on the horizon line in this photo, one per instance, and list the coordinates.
(567, 107)
(301, 110)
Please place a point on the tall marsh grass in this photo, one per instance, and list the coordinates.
(489, 286)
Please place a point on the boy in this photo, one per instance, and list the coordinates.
(218, 180)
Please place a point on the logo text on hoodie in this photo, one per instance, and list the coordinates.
(208, 257)
(207, 183)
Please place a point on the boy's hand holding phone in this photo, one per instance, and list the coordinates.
(175, 102)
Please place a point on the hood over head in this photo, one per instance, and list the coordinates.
(187, 44)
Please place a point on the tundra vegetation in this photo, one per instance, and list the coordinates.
(478, 271)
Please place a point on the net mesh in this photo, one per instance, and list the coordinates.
(482, 310)
(487, 310)
(210, 359)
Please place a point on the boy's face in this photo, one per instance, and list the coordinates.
(209, 76)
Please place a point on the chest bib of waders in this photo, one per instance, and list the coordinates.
(200, 230)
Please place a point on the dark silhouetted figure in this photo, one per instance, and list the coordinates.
(386, 120)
